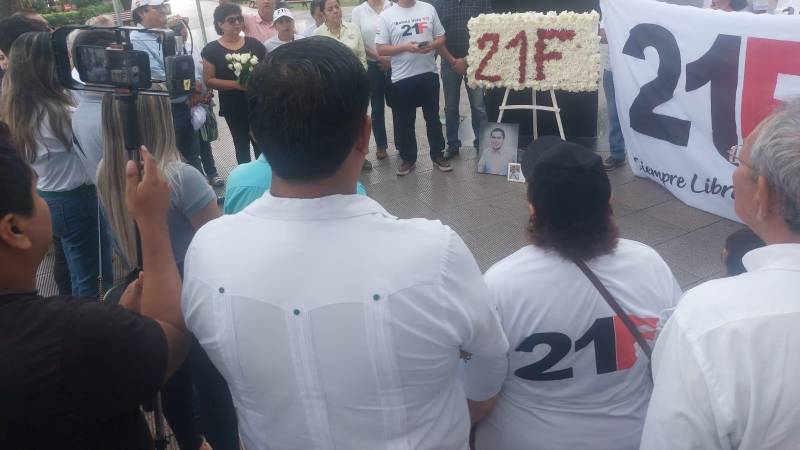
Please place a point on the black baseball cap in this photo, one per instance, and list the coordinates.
(565, 180)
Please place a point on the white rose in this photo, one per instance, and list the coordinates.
(237, 57)
(230, 66)
(237, 66)
(237, 73)
(228, 57)
(245, 56)
(254, 60)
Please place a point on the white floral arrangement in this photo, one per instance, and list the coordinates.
(558, 51)
(242, 65)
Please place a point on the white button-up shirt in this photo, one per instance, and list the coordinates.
(574, 377)
(727, 365)
(337, 325)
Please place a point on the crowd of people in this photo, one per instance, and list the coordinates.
(307, 316)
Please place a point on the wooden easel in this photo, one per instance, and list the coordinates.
(534, 108)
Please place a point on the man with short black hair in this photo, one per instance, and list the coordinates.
(726, 364)
(74, 371)
(335, 324)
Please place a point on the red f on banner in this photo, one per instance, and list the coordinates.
(768, 61)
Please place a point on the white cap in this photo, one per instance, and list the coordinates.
(138, 3)
(281, 12)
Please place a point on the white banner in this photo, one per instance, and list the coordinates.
(690, 83)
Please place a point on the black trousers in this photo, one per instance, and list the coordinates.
(407, 95)
(240, 132)
(207, 157)
(186, 138)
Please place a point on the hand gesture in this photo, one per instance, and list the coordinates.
(147, 199)
(412, 47)
(460, 66)
(132, 297)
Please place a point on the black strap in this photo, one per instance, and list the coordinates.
(615, 306)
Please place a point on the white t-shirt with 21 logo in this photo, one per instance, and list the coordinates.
(399, 26)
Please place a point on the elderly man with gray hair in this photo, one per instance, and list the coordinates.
(727, 363)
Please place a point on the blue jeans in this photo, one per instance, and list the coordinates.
(377, 98)
(74, 218)
(451, 83)
(615, 139)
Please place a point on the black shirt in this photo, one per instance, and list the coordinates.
(73, 372)
(232, 101)
(454, 15)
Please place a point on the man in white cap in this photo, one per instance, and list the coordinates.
(153, 14)
(283, 22)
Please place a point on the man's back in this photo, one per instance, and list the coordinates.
(726, 364)
(337, 325)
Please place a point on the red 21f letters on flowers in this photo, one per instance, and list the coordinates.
(520, 40)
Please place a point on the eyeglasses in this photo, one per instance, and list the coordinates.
(734, 156)
(233, 20)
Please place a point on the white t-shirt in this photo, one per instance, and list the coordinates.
(339, 326)
(497, 162)
(366, 19)
(398, 26)
(273, 42)
(726, 365)
(573, 377)
(58, 168)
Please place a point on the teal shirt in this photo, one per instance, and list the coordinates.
(249, 181)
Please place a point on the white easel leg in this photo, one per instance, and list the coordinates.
(557, 110)
(503, 107)
(534, 111)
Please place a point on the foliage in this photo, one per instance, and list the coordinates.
(77, 17)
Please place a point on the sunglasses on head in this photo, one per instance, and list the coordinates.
(233, 20)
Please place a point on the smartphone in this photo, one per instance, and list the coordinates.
(113, 67)
(423, 44)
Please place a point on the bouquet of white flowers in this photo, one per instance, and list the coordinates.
(242, 64)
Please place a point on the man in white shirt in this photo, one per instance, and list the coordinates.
(495, 159)
(335, 324)
(726, 363)
(409, 33)
(574, 377)
(315, 9)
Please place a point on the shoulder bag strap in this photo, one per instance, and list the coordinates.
(615, 306)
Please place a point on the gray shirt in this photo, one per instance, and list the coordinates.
(87, 128)
(190, 194)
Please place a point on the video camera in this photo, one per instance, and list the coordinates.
(119, 67)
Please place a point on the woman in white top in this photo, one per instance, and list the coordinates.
(365, 17)
(38, 111)
(573, 377)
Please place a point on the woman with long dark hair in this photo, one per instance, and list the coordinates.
(38, 111)
(228, 22)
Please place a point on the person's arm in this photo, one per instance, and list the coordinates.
(682, 411)
(438, 33)
(205, 215)
(148, 201)
(479, 410)
(209, 75)
(361, 51)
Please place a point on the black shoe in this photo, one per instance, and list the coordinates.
(614, 162)
(450, 153)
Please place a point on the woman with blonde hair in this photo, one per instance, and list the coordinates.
(193, 203)
(38, 111)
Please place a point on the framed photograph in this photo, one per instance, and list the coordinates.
(498, 148)
(515, 173)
